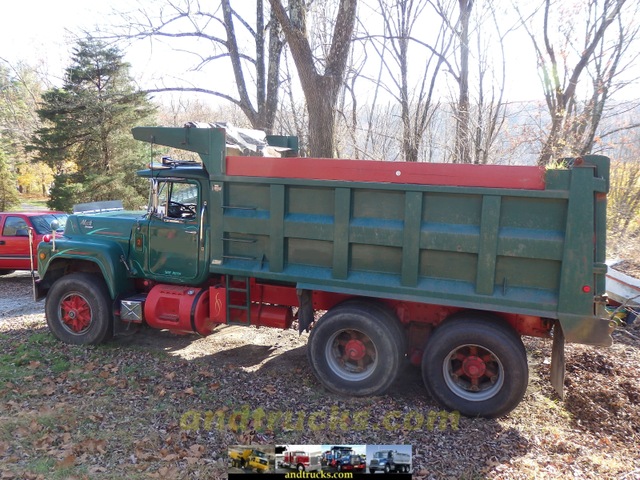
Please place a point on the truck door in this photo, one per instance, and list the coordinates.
(14, 243)
(174, 232)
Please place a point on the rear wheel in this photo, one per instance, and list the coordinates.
(357, 348)
(476, 365)
(78, 309)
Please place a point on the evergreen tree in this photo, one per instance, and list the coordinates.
(87, 140)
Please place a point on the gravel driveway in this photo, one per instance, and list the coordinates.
(16, 296)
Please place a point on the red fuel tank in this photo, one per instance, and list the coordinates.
(179, 308)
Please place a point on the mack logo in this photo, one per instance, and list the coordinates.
(86, 223)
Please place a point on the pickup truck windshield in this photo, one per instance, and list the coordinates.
(42, 223)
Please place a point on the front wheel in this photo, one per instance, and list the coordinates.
(476, 365)
(78, 309)
(356, 349)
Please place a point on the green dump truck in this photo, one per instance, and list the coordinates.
(443, 265)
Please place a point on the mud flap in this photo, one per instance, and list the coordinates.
(305, 311)
(557, 360)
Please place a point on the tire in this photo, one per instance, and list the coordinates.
(477, 365)
(300, 468)
(78, 309)
(372, 470)
(386, 468)
(384, 311)
(6, 272)
(356, 348)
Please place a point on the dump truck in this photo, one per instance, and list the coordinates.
(302, 461)
(445, 266)
(341, 457)
(389, 461)
(351, 463)
(249, 458)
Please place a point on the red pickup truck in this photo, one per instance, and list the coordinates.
(14, 237)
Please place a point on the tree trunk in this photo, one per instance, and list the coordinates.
(320, 90)
(461, 153)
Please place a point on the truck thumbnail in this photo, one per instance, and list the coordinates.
(351, 462)
(389, 461)
(444, 265)
(249, 458)
(331, 458)
(302, 461)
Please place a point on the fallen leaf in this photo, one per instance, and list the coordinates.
(66, 462)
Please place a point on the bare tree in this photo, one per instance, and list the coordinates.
(462, 152)
(181, 22)
(321, 79)
(417, 103)
(574, 123)
(490, 109)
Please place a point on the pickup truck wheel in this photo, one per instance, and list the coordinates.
(356, 349)
(476, 365)
(78, 309)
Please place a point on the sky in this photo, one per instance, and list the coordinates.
(44, 30)
(37, 30)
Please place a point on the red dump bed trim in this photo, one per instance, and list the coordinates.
(464, 175)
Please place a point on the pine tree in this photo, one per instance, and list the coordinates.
(87, 140)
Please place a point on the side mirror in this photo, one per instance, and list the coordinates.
(55, 225)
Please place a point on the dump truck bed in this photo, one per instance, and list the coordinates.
(496, 238)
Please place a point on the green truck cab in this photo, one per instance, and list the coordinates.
(443, 265)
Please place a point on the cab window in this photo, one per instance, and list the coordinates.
(178, 200)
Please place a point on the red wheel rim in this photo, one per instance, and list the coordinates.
(75, 313)
(351, 355)
(473, 372)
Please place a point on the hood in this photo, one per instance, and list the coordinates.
(116, 225)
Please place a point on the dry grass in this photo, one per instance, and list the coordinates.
(146, 406)
(114, 411)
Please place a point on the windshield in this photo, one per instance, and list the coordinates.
(42, 223)
(380, 455)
